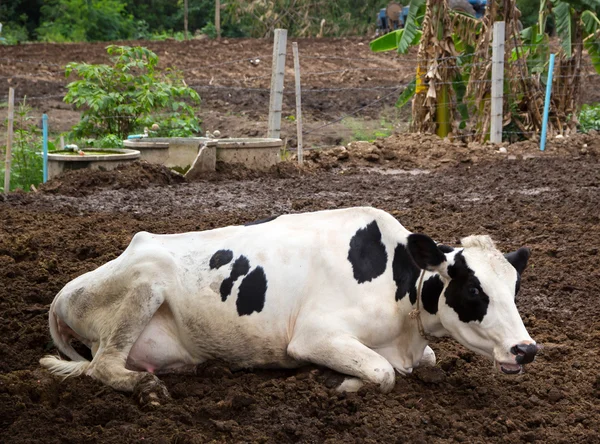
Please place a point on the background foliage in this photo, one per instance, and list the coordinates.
(26, 164)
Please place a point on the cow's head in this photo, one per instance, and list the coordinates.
(477, 303)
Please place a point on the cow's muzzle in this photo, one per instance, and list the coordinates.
(525, 353)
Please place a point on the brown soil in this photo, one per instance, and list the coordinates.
(137, 174)
(427, 151)
(235, 92)
(548, 202)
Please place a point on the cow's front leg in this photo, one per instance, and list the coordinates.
(346, 355)
(428, 359)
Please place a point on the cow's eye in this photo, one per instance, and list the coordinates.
(474, 291)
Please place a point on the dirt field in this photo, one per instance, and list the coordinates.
(339, 77)
(548, 202)
(235, 92)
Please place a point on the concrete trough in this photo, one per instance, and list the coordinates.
(59, 161)
(173, 152)
(253, 153)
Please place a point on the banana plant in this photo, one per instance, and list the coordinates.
(577, 22)
(433, 87)
(578, 28)
(402, 39)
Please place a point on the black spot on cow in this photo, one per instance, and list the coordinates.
(220, 258)
(367, 253)
(430, 294)
(518, 259)
(241, 266)
(424, 251)
(261, 221)
(445, 248)
(405, 274)
(253, 289)
(464, 293)
(517, 285)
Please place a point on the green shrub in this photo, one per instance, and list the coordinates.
(129, 95)
(85, 20)
(26, 159)
(589, 117)
(13, 33)
(108, 141)
(209, 30)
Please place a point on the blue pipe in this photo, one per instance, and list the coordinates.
(45, 145)
(547, 103)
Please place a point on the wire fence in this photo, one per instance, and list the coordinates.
(326, 78)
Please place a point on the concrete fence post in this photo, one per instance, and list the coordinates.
(497, 83)
(276, 98)
(298, 102)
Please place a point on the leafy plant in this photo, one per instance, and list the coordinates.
(589, 117)
(362, 131)
(26, 159)
(129, 95)
(108, 141)
(85, 20)
(209, 30)
(13, 33)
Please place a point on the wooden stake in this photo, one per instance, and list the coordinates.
(185, 19)
(278, 68)
(218, 17)
(9, 139)
(298, 102)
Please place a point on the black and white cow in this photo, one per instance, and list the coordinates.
(332, 288)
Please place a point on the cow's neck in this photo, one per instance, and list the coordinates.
(433, 325)
(428, 325)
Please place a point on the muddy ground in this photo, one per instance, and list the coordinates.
(548, 202)
(340, 77)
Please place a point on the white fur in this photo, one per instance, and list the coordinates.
(64, 368)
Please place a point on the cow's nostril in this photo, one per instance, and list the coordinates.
(525, 353)
(515, 351)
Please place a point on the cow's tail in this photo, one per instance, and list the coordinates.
(62, 339)
(64, 368)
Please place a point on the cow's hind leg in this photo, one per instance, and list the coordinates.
(346, 355)
(127, 323)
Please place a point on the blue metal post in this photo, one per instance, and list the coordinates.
(547, 103)
(45, 145)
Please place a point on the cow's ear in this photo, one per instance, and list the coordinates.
(519, 258)
(425, 252)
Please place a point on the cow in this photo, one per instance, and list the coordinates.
(348, 289)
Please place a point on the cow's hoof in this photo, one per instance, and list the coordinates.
(428, 359)
(150, 392)
(350, 385)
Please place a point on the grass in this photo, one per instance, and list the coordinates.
(368, 130)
